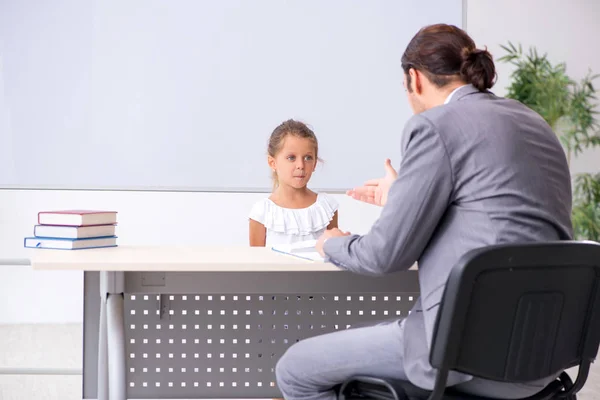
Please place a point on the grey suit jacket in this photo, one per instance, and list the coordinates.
(478, 171)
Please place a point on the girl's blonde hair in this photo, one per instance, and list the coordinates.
(293, 128)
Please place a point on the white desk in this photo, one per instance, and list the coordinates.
(173, 258)
(185, 269)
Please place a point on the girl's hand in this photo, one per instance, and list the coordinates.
(335, 232)
(375, 191)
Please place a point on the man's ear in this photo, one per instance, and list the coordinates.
(271, 162)
(416, 81)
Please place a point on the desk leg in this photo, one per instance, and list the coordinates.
(112, 373)
(102, 353)
(116, 347)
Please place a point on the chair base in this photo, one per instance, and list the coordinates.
(370, 388)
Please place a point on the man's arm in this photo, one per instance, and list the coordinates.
(416, 202)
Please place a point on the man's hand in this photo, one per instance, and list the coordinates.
(335, 232)
(375, 191)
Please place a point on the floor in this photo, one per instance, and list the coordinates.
(40, 346)
(60, 347)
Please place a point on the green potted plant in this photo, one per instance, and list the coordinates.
(569, 108)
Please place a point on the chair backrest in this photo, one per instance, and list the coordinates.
(518, 313)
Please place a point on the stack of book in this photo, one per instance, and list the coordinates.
(74, 230)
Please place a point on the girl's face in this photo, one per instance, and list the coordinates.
(295, 162)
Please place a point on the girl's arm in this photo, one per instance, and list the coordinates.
(258, 234)
(334, 221)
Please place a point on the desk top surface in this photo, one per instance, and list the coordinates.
(173, 258)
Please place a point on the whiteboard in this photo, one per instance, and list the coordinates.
(183, 94)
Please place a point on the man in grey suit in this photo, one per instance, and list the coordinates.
(476, 170)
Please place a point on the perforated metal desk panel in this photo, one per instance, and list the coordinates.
(218, 334)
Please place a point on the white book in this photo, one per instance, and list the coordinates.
(73, 232)
(77, 217)
(305, 250)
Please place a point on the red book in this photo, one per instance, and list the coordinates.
(77, 217)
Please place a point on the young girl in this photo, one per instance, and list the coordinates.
(293, 213)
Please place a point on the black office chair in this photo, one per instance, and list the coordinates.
(510, 313)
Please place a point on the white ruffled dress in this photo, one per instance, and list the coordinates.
(292, 225)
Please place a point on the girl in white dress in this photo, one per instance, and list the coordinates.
(292, 213)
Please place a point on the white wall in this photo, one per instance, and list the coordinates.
(566, 30)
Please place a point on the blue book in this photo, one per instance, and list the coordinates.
(70, 244)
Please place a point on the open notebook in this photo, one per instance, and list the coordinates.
(304, 250)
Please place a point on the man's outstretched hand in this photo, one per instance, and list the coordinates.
(375, 191)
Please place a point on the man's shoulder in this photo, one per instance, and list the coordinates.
(471, 106)
(436, 117)
(481, 109)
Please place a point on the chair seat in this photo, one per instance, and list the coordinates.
(366, 387)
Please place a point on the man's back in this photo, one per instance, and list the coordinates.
(510, 183)
(506, 160)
